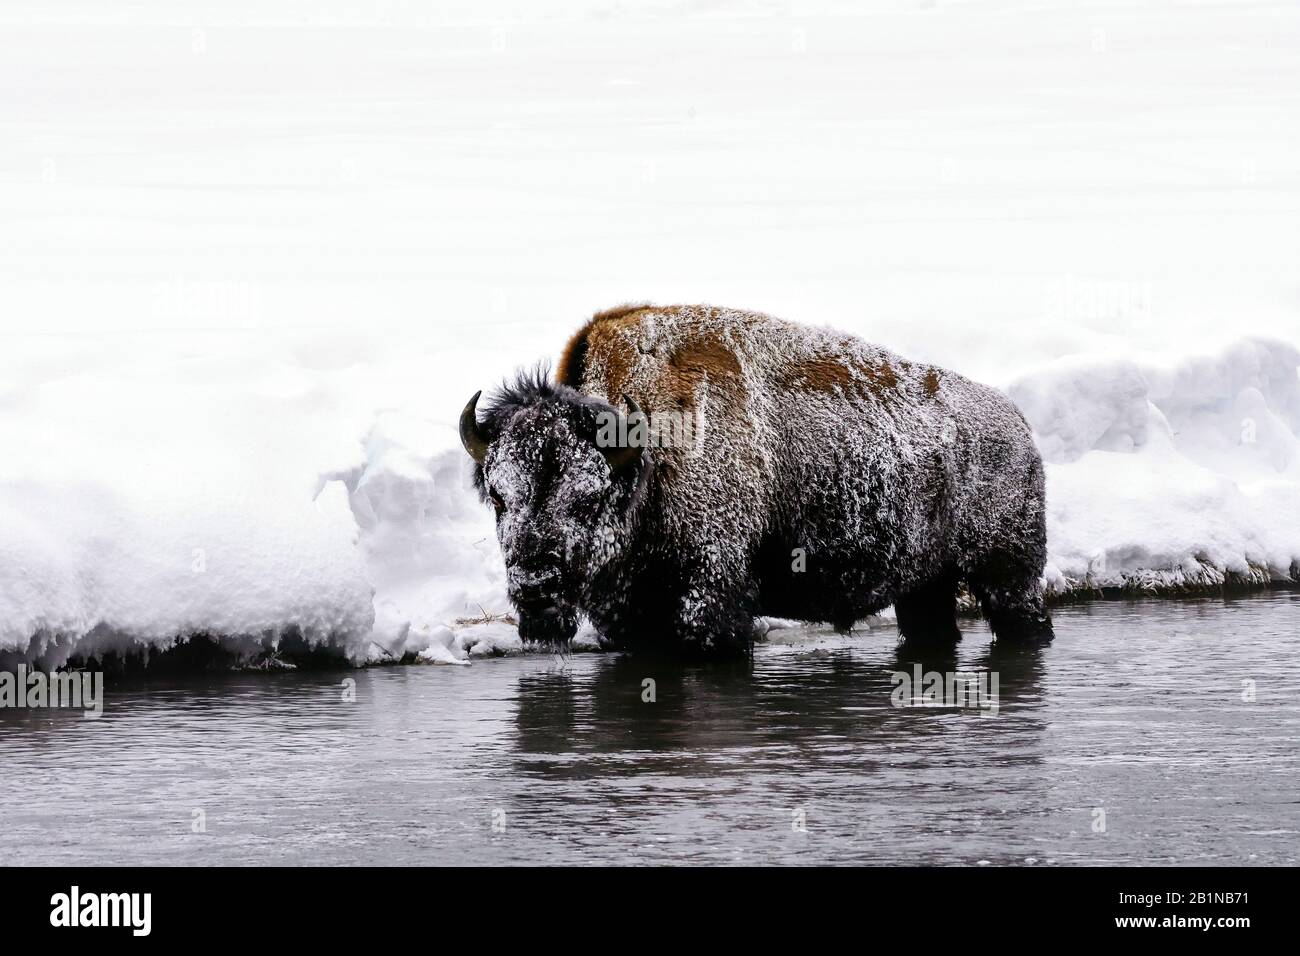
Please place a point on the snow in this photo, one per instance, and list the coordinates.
(148, 499)
(256, 256)
(1163, 475)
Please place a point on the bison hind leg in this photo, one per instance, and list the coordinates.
(927, 615)
(1015, 611)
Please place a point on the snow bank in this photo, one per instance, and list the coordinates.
(1162, 476)
(146, 498)
(278, 493)
(428, 544)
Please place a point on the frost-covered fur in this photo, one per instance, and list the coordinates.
(823, 480)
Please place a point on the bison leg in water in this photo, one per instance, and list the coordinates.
(1012, 601)
(716, 614)
(928, 614)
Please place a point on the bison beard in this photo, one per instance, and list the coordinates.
(817, 478)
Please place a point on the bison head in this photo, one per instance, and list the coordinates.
(563, 489)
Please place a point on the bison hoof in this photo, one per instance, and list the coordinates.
(1029, 629)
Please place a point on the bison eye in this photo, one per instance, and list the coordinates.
(497, 503)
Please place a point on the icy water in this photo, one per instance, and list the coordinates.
(1127, 741)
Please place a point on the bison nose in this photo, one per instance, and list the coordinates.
(533, 588)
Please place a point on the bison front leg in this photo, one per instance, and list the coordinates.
(716, 613)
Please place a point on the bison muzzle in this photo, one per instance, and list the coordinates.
(690, 468)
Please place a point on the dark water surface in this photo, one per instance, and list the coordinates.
(1136, 711)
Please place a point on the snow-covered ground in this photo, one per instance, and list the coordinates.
(256, 255)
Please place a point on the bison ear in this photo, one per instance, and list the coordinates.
(636, 428)
(471, 435)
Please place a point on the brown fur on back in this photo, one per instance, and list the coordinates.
(830, 373)
(708, 343)
(574, 357)
(614, 340)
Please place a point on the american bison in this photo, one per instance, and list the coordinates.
(760, 468)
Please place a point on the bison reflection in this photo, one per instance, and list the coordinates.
(794, 709)
(826, 479)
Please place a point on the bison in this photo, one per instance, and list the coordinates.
(758, 467)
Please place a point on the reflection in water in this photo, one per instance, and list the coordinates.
(1135, 714)
(783, 706)
(801, 733)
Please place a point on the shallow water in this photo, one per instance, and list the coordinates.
(1134, 720)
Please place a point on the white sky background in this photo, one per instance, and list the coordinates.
(983, 184)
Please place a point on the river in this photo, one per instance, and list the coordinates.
(1151, 731)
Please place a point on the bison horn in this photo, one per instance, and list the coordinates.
(470, 436)
(621, 457)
